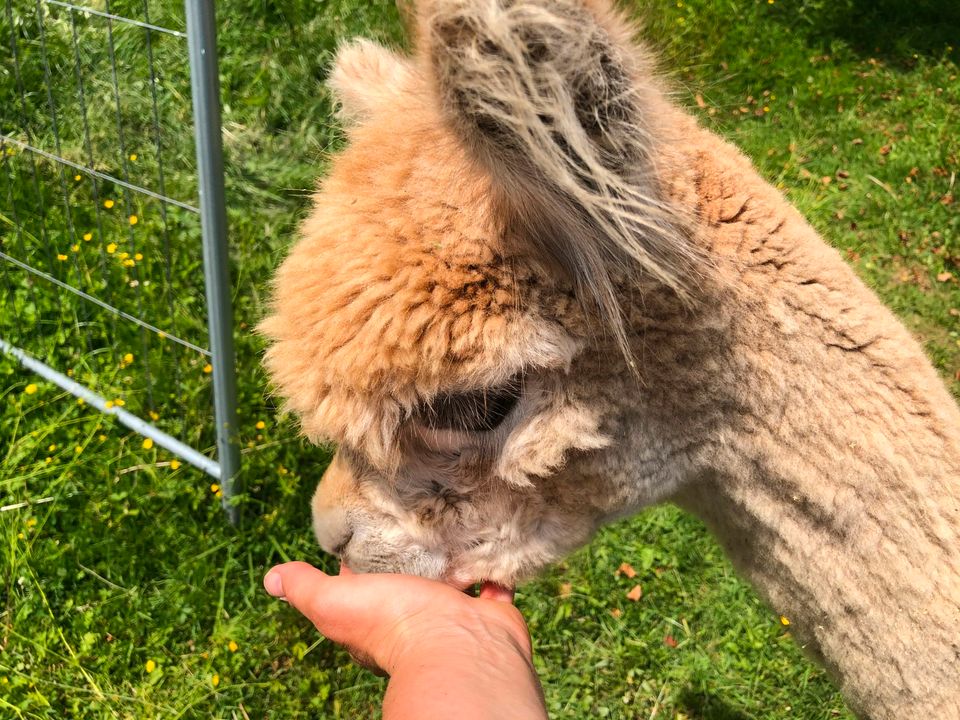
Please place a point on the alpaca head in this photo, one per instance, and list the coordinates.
(450, 316)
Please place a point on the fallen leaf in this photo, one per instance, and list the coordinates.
(945, 277)
(955, 312)
(626, 569)
(699, 100)
(843, 174)
(616, 612)
(669, 641)
(885, 150)
(566, 590)
(635, 594)
(947, 199)
(857, 141)
(826, 179)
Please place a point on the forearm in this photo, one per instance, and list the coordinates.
(470, 682)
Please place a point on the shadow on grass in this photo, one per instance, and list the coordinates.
(704, 706)
(894, 30)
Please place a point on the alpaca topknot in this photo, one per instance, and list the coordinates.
(559, 106)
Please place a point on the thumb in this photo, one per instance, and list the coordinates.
(339, 607)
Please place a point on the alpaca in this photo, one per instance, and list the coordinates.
(533, 296)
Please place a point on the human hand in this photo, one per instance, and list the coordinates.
(380, 617)
(444, 650)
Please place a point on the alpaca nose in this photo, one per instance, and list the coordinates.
(332, 529)
(331, 523)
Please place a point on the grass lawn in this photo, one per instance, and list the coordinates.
(128, 596)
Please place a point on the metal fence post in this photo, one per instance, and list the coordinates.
(205, 84)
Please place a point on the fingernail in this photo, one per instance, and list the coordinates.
(273, 584)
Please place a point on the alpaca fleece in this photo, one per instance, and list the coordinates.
(522, 215)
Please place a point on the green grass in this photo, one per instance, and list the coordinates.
(133, 562)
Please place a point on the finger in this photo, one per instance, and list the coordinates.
(344, 570)
(493, 591)
(343, 608)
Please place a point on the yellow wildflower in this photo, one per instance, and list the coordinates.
(88, 236)
(133, 157)
(31, 522)
(78, 449)
(129, 263)
(215, 680)
(123, 255)
(208, 368)
(133, 220)
(112, 248)
(147, 443)
(108, 204)
(260, 425)
(75, 248)
(233, 646)
(61, 257)
(119, 402)
(101, 438)
(154, 415)
(214, 488)
(108, 404)
(150, 666)
(174, 464)
(128, 358)
(219, 493)
(784, 620)
(77, 177)
(81, 401)
(138, 257)
(52, 448)
(30, 389)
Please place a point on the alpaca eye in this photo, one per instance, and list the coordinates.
(475, 411)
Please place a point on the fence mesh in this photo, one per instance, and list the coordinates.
(101, 258)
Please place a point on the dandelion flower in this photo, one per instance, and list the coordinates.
(174, 464)
(74, 248)
(52, 448)
(138, 257)
(154, 415)
(112, 248)
(108, 204)
(260, 425)
(30, 389)
(108, 404)
(208, 368)
(133, 157)
(81, 401)
(88, 236)
(129, 263)
(123, 255)
(219, 493)
(783, 618)
(134, 220)
(128, 358)
(61, 257)
(214, 488)
(78, 449)
(101, 438)
(147, 443)
(119, 402)
(215, 680)
(232, 646)
(77, 177)
(150, 666)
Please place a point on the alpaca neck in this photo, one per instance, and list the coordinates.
(867, 569)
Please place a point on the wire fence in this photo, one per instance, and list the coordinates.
(113, 257)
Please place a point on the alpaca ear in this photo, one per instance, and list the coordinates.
(366, 76)
(556, 102)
